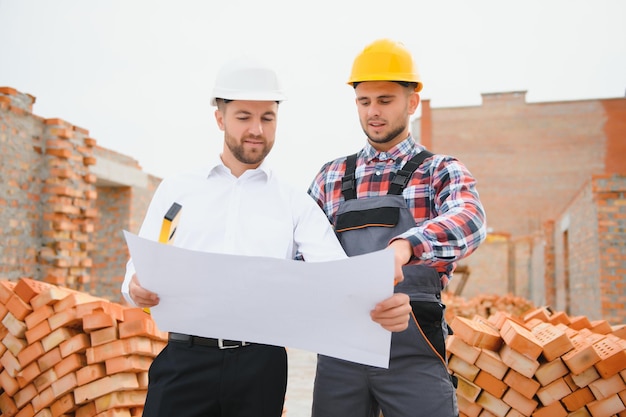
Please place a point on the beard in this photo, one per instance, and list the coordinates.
(252, 156)
(384, 138)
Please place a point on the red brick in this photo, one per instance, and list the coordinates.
(605, 387)
(18, 307)
(520, 402)
(582, 357)
(490, 383)
(76, 344)
(65, 318)
(45, 379)
(520, 339)
(554, 391)
(102, 336)
(491, 362)
(462, 368)
(553, 341)
(56, 337)
(601, 326)
(27, 288)
(577, 399)
(26, 411)
(87, 410)
(579, 322)
(63, 405)
(7, 405)
(23, 396)
(553, 410)
(476, 334)
(38, 332)
(521, 363)
(90, 373)
(120, 400)
(49, 359)
(38, 315)
(27, 374)
(97, 320)
(64, 385)
(130, 363)
(14, 344)
(48, 297)
(42, 401)
(69, 364)
(10, 363)
(492, 404)
(467, 407)
(15, 326)
(606, 407)
(612, 357)
(8, 383)
(550, 371)
(526, 386)
(465, 389)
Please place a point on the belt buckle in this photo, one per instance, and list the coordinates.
(220, 344)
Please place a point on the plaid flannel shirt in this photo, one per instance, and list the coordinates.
(441, 195)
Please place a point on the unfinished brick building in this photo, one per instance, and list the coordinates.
(551, 175)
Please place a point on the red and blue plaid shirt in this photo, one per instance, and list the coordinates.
(441, 195)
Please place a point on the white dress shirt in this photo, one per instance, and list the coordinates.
(253, 215)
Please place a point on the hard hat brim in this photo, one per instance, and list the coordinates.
(247, 96)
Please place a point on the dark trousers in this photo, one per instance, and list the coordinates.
(197, 381)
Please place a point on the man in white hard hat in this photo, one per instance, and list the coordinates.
(235, 205)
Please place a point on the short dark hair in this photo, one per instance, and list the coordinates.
(407, 84)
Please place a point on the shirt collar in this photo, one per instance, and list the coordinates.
(217, 167)
(403, 150)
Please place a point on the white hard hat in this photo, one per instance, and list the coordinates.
(246, 79)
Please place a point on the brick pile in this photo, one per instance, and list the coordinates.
(542, 364)
(67, 353)
(484, 305)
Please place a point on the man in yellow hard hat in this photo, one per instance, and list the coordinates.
(395, 192)
(236, 205)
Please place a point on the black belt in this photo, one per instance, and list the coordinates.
(205, 341)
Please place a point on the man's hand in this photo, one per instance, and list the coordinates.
(141, 296)
(403, 252)
(393, 313)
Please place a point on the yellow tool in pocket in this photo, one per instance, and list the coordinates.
(168, 228)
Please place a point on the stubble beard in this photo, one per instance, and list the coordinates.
(389, 137)
(252, 157)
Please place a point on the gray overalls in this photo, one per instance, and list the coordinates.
(417, 382)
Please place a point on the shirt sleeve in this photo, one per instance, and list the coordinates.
(460, 224)
(314, 236)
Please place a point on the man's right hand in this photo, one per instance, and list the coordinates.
(142, 297)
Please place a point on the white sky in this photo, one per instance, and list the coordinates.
(137, 74)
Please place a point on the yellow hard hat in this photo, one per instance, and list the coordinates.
(385, 60)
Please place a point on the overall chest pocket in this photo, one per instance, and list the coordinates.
(373, 217)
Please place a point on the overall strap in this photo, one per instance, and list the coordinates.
(348, 182)
(404, 174)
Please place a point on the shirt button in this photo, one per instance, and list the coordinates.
(377, 172)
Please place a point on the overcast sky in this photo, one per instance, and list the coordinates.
(137, 73)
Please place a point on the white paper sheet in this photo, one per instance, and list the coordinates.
(322, 307)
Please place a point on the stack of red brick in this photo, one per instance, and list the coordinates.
(67, 353)
(484, 305)
(544, 364)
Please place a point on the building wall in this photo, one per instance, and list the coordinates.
(529, 158)
(64, 201)
(21, 182)
(590, 251)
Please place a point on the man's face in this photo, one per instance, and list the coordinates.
(249, 129)
(384, 109)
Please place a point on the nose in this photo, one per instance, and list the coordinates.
(256, 128)
(373, 110)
